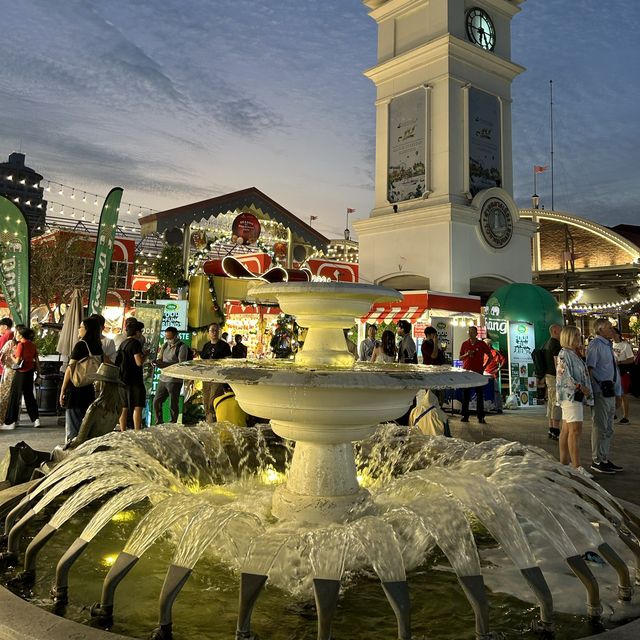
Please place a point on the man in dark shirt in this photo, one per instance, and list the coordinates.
(431, 352)
(238, 350)
(215, 349)
(130, 358)
(550, 350)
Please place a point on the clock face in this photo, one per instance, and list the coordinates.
(496, 223)
(480, 29)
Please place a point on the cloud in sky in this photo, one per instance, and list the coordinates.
(176, 101)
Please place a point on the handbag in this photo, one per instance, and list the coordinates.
(23, 461)
(83, 370)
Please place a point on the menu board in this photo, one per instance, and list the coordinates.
(522, 379)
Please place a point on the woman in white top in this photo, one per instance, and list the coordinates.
(386, 350)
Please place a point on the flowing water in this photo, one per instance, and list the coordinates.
(200, 498)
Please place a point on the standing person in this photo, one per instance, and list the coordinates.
(8, 373)
(550, 351)
(605, 380)
(172, 351)
(431, 352)
(25, 356)
(369, 343)
(130, 358)
(623, 352)
(238, 350)
(492, 366)
(573, 391)
(6, 335)
(215, 349)
(108, 345)
(472, 354)
(76, 400)
(407, 350)
(386, 351)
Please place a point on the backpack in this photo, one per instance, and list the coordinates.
(539, 363)
(120, 360)
(191, 354)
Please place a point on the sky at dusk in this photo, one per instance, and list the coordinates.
(178, 101)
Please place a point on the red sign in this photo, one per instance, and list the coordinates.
(245, 229)
(336, 271)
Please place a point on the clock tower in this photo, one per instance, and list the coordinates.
(444, 218)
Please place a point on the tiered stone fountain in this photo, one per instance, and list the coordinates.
(422, 490)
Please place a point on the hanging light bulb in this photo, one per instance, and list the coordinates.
(84, 198)
(95, 202)
(73, 194)
(61, 192)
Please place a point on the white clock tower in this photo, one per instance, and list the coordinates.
(444, 218)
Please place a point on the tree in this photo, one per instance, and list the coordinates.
(57, 268)
(169, 270)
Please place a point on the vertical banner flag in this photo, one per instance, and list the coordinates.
(104, 251)
(15, 250)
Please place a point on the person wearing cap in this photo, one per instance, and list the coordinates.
(172, 351)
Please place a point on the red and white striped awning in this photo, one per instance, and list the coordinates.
(237, 308)
(385, 314)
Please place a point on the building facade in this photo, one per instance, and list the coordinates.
(21, 185)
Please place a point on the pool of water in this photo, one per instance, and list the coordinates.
(207, 605)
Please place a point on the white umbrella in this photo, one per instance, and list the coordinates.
(72, 319)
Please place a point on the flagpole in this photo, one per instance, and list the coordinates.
(535, 181)
(551, 123)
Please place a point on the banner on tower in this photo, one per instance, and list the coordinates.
(485, 144)
(406, 177)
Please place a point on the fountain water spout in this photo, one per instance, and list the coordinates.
(398, 596)
(123, 564)
(60, 591)
(625, 588)
(173, 582)
(251, 585)
(326, 596)
(583, 573)
(476, 594)
(539, 586)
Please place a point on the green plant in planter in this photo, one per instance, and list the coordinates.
(46, 341)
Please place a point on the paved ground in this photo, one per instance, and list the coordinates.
(526, 425)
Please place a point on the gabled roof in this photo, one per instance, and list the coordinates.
(250, 198)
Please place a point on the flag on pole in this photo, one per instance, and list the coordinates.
(104, 251)
(349, 210)
(540, 169)
(312, 218)
(15, 249)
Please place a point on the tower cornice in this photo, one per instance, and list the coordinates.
(444, 47)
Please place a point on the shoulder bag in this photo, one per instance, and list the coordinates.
(82, 370)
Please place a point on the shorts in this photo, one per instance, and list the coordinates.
(572, 411)
(625, 380)
(133, 395)
(553, 410)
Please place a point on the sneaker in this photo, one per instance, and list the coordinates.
(601, 467)
(614, 467)
(8, 427)
(583, 472)
(552, 435)
(36, 423)
(623, 421)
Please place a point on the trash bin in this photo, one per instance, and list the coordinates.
(48, 389)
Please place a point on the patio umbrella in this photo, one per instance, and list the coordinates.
(72, 319)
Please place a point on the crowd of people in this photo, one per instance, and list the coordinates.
(599, 376)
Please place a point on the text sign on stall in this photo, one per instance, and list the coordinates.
(522, 380)
(445, 335)
(175, 314)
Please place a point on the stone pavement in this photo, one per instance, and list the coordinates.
(525, 425)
